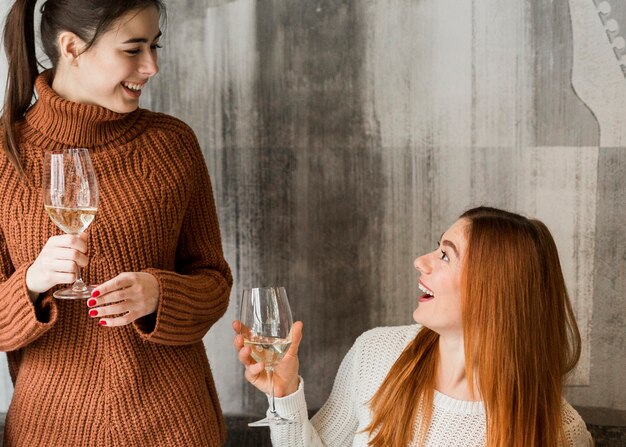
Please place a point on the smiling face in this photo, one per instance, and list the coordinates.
(439, 301)
(112, 72)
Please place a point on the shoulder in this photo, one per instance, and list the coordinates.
(374, 353)
(385, 343)
(169, 131)
(386, 333)
(157, 121)
(576, 434)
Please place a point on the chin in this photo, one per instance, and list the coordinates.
(420, 318)
(119, 103)
(416, 316)
(124, 109)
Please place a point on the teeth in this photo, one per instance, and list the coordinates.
(136, 87)
(425, 290)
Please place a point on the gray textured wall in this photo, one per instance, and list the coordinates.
(344, 136)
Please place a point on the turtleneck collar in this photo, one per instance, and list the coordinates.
(78, 125)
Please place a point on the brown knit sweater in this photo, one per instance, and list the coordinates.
(145, 384)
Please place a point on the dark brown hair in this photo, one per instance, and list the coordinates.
(88, 19)
(513, 293)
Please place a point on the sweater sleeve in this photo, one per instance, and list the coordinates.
(195, 295)
(334, 425)
(21, 321)
(576, 434)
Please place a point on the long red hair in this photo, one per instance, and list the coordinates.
(521, 341)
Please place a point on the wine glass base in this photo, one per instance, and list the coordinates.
(267, 422)
(71, 294)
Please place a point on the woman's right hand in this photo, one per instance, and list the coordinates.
(56, 263)
(286, 379)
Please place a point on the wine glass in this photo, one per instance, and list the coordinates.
(70, 197)
(266, 328)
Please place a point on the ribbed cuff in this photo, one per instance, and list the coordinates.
(46, 309)
(292, 406)
(188, 305)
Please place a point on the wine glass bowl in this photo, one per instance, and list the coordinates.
(266, 324)
(70, 197)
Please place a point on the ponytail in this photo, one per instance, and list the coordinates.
(19, 45)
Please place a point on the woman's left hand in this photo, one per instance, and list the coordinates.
(124, 299)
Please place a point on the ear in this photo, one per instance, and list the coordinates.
(70, 47)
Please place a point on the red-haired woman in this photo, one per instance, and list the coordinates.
(484, 366)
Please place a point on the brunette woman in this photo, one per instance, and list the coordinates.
(126, 367)
(484, 366)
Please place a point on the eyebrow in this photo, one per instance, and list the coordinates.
(450, 244)
(142, 39)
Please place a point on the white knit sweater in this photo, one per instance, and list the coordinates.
(340, 422)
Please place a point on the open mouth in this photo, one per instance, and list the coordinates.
(427, 295)
(133, 89)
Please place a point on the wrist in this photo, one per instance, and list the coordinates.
(292, 387)
(32, 294)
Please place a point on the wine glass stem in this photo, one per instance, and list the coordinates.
(270, 373)
(79, 285)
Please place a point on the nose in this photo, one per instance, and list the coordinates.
(149, 65)
(422, 264)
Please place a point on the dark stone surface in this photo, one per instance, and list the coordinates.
(608, 436)
(240, 435)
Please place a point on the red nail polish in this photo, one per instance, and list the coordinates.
(95, 293)
(102, 323)
(93, 312)
(91, 303)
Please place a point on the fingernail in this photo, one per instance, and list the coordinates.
(93, 312)
(91, 302)
(102, 323)
(95, 293)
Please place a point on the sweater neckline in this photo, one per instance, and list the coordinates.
(74, 124)
(458, 406)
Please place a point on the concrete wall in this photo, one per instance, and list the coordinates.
(344, 136)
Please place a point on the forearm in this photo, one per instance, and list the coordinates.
(22, 318)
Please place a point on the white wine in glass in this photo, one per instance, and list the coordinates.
(70, 197)
(266, 328)
(267, 349)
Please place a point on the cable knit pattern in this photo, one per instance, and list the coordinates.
(147, 383)
(342, 419)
